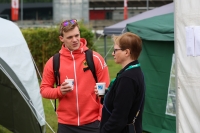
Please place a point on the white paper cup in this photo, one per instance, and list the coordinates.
(71, 82)
(101, 88)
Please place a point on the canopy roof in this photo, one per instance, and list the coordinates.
(158, 28)
(119, 28)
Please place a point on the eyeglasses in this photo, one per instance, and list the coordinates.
(114, 50)
(67, 22)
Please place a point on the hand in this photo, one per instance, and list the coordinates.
(96, 91)
(65, 87)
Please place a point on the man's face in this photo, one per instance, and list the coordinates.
(71, 39)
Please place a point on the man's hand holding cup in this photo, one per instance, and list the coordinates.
(67, 86)
(100, 89)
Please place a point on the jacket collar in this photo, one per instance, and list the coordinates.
(131, 63)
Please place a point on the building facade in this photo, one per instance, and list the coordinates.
(98, 13)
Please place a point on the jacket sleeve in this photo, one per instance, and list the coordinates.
(47, 89)
(101, 72)
(101, 69)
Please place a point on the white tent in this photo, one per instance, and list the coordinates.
(21, 108)
(187, 16)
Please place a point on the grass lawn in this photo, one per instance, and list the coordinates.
(99, 45)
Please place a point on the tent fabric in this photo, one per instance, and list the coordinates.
(156, 58)
(119, 28)
(158, 28)
(187, 67)
(15, 112)
(21, 102)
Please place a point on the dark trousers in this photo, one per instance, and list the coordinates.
(87, 128)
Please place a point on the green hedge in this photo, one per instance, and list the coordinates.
(44, 42)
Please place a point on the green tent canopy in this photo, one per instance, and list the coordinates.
(159, 28)
(157, 34)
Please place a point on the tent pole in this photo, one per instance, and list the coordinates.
(105, 48)
(70, 9)
(21, 12)
(125, 10)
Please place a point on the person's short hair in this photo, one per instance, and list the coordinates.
(67, 25)
(129, 41)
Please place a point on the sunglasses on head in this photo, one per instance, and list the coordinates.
(67, 22)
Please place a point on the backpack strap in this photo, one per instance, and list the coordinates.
(56, 66)
(140, 104)
(90, 62)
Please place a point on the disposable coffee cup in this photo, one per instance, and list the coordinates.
(101, 88)
(71, 82)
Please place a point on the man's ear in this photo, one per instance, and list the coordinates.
(61, 38)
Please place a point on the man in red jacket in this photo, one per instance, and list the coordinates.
(79, 109)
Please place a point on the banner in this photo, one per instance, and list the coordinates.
(14, 10)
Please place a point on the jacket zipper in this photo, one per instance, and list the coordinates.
(77, 107)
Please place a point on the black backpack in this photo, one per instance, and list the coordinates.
(56, 66)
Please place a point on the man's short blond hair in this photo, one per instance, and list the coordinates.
(67, 25)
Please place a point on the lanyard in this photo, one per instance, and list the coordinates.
(130, 67)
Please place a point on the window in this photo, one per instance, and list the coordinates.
(108, 15)
(171, 97)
